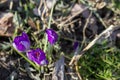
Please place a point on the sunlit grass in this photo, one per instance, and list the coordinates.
(100, 64)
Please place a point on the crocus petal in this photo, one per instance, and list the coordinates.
(20, 48)
(21, 43)
(25, 36)
(52, 36)
(44, 62)
(26, 44)
(37, 56)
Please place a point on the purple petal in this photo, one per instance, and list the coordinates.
(30, 54)
(20, 48)
(76, 44)
(44, 62)
(25, 36)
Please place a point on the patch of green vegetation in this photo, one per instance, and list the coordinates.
(100, 64)
(116, 4)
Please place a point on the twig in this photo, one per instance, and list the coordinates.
(72, 22)
(98, 16)
(94, 11)
(39, 7)
(84, 28)
(72, 17)
(4, 65)
(78, 73)
(77, 57)
(11, 5)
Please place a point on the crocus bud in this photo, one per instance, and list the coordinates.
(76, 44)
(52, 36)
(21, 43)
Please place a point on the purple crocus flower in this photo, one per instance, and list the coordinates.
(37, 56)
(21, 43)
(52, 36)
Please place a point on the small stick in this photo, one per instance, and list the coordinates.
(77, 57)
(70, 18)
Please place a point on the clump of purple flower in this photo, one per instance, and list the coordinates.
(22, 44)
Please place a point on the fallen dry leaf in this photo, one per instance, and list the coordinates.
(77, 7)
(101, 5)
(6, 25)
(32, 24)
(2, 1)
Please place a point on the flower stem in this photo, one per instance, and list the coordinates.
(49, 25)
(49, 51)
(21, 54)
